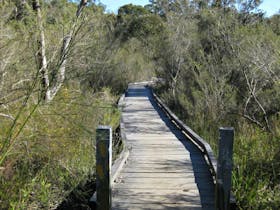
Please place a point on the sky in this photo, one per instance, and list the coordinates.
(269, 6)
(113, 5)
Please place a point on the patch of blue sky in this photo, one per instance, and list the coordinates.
(270, 7)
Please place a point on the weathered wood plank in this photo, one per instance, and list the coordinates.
(164, 169)
(159, 199)
(159, 152)
(149, 191)
(186, 186)
(164, 198)
(149, 206)
(160, 175)
(157, 181)
(167, 158)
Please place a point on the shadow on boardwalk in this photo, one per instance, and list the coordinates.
(202, 174)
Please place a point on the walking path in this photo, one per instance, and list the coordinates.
(164, 169)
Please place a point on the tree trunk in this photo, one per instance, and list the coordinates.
(41, 55)
(49, 90)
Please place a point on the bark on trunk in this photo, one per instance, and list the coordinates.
(60, 77)
(42, 59)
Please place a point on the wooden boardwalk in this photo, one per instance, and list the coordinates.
(164, 169)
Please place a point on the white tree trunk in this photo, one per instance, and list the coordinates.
(61, 72)
(42, 59)
(50, 90)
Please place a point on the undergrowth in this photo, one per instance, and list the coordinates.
(55, 151)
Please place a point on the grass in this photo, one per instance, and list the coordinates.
(55, 151)
(256, 174)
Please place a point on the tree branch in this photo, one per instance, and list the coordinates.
(7, 116)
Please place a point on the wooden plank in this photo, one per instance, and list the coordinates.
(156, 181)
(178, 148)
(160, 175)
(163, 161)
(164, 198)
(151, 137)
(158, 153)
(166, 160)
(171, 164)
(151, 145)
(163, 169)
(149, 191)
(160, 199)
(167, 157)
(149, 206)
(166, 183)
(156, 140)
(185, 186)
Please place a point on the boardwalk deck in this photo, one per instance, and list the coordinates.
(164, 169)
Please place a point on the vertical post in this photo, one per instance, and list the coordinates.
(103, 167)
(224, 169)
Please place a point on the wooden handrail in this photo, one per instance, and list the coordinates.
(195, 138)
(201, 144)
(122, 158)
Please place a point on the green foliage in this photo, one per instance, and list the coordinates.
(145, 26)
(274, 23)
(132, 10)
(219, 67)
(138, 22)
(47, 150)
(256, 175)
(221, 71)
(55, 151)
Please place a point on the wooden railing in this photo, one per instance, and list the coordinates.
(221, 171)
(122, 157)
(195, 138)
(106, 172)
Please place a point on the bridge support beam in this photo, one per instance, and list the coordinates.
(224, 169)
(103, 167)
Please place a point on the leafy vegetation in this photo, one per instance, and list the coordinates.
(47, 147)
(64, 64)
(221, 68)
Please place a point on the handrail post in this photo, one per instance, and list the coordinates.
(103, 167)
(224, 169)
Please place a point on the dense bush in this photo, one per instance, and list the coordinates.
(221, 68)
